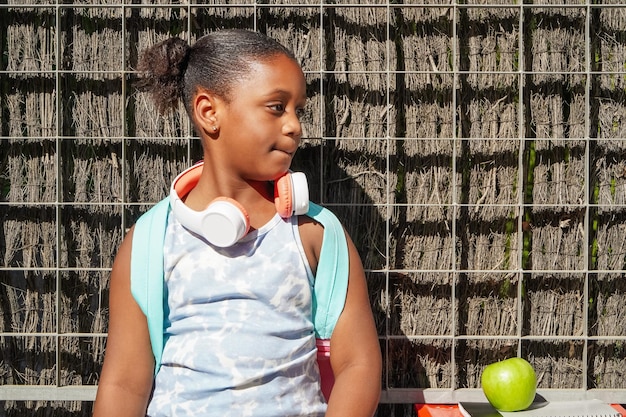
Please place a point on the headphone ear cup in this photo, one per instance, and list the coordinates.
(291, 194)
(283, 196)
(224, 222)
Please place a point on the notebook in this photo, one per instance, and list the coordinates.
(586, 408)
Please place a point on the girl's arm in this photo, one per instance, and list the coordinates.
(127, 375)
(355, 351)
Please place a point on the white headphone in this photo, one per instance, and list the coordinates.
(225, 221)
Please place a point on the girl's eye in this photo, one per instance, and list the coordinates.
(277, 107)
(300, 113)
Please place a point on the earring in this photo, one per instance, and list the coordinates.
(215, 128)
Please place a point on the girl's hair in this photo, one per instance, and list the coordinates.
(173, 70)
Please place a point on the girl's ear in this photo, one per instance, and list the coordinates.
(205, 112)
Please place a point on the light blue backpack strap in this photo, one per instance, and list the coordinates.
(146, 271)
(331, 279)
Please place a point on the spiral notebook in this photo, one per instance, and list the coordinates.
(586, 408)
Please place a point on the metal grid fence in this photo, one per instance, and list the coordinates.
(473, 150)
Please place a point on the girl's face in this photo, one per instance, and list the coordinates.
(260, 126)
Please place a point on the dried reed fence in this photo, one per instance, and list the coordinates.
(475, 154)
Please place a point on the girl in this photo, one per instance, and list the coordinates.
(238, 330)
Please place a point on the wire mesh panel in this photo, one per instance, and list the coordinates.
(474, 150)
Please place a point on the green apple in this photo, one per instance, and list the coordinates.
(509, 385)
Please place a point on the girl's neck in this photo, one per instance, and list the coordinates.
(257, 197)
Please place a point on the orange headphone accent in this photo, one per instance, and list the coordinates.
(224, 222)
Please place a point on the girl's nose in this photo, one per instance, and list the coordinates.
(292, 126)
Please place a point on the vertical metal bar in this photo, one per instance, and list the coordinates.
(187, 122)
(587, 192)
(388, 207)
(255, 8)
(322, 112)
(520, 176)
(125, 73)
(456, 60)
(59, 195)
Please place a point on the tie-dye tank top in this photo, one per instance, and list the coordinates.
(239, 332)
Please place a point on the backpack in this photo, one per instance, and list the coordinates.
(329, 289)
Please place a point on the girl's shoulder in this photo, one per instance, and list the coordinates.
(318, 226)
(311, 235)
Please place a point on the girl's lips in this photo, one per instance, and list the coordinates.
(283, 151)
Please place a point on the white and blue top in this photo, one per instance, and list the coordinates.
(238, 330)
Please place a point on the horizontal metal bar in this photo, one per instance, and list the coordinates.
(305, 5)
(382, 271)
(46, 334)
(60, 269)
(547, 338)
(316, 138)
(312, 138)
(123, 72)
(568, 208)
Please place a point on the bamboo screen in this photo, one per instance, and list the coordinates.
(474, 151)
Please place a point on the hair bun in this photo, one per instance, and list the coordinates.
(172, 58)
(161, 70)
